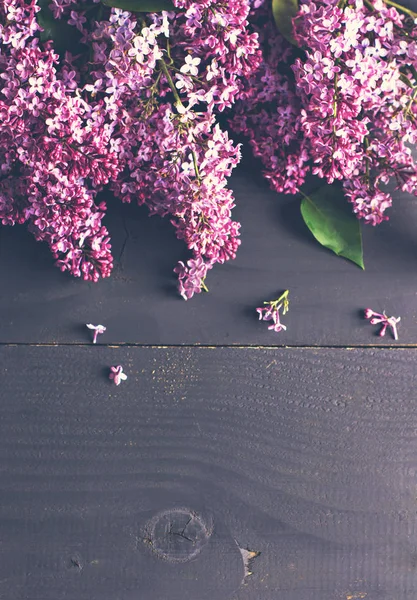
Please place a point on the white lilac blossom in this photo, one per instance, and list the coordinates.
(98, 329)
(382, 319)
(271, 312)
(117, 375)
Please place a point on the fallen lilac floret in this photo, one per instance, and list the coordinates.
(117, 375)
(382, 319)
(271, 312)
(98, 329)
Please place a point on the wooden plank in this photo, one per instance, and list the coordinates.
(148, 490)
(139, 304)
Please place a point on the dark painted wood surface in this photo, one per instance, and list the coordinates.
(162, 488)
(139, 304)
(308, 456)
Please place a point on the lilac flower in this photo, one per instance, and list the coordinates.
(191, 277)
(117, 375)
(98, 329)
(382, 319)
(77, 19)
(183, 82)
(191, 65)
(271, 312)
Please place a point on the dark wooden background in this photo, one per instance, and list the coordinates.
(226, 440)
(139, 304)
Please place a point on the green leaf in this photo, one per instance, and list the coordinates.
(330, 219)
(141, 5)
(284, 11)
(64, 36)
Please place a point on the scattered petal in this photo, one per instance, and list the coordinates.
(117, 375)
(98, 329)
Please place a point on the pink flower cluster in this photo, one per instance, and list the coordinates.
(385, 322)
(271, 312)
(268, 110)
(343, 104)
(54, 151)
(134, 114)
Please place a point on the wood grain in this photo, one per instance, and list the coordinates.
(139, 303)
(307, 456)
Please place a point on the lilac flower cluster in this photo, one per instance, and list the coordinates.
(137, 116)
(385, 322)
(134, 113)
(271, 312)
(343, 104)
(268, 109)
(54, 151)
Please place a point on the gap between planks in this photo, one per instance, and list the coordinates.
(211, 346)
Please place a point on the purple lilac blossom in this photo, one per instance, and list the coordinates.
(349, 113)
(117, 375)
(268, 109)
(385, 322)
(138, 117)
(271, 312)
(98, 330)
